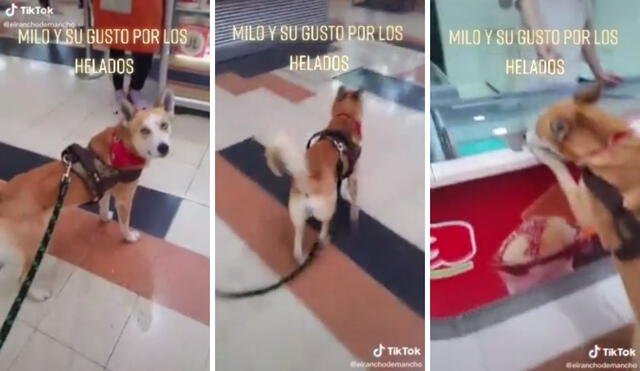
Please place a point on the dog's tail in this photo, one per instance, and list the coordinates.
(284, 157)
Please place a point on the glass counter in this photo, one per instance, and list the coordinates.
(441, 88)
(476, 126)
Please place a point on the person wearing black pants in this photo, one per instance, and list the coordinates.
(141, 67)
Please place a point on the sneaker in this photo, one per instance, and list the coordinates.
(138, 100)
(119, 97)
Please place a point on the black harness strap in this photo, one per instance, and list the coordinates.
(626, 223)
(96, 175)
(348, 151)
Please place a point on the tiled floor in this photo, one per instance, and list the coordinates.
(367, 287)
(540, 334)
(115, 306)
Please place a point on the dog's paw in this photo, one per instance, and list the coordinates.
(324, 240)
(106, 217)
(144, 318)
(132, 235)
(354, 214)
(39, 295)
(344, 193)
(545, 156)
(299, 256)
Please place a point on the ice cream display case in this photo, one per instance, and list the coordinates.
(503, 238)
(185, 67)
(473, 127)
(440, 87)
(486, 132)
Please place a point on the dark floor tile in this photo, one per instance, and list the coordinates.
(152, 212)
(387, 257)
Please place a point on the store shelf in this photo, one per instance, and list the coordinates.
(186, 76)
(190, 64)
(190, 91)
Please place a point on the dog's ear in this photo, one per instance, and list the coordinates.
(601, 130)
(166, 101)
(128, 110)
(589, 94)
(559, 129)
(342, 92)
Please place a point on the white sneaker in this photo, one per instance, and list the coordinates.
(138, 100)
(119, 97)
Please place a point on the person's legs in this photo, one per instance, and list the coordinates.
(118, 78)
(141, 68)
(118, 81)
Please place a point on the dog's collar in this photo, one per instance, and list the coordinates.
(122, 157)
(357, 123)
(613, 141)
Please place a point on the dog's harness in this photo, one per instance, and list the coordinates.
(98, 176)
(626, 224)
(348, 150)
(625, 221)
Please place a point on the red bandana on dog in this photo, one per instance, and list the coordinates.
(357, 124)
(615, 139)
(121, 157)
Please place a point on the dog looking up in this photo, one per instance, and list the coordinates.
(579, 131)
(27, 200)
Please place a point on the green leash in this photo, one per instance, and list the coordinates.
(26, 284)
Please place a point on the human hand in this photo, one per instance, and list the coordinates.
(547, 51)
(609, 79)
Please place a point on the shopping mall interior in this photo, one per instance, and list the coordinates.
(114, 305)
(366, 287)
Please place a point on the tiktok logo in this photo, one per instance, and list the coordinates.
(377, 352)
(611, 352)
(11, 11)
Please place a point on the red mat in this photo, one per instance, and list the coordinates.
(471, 221)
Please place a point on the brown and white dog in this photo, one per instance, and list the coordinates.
(313, 190)
(27, 200)
(577, 130)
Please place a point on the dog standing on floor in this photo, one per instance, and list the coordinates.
(316, 173)
(578, 131)
(27, 200)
